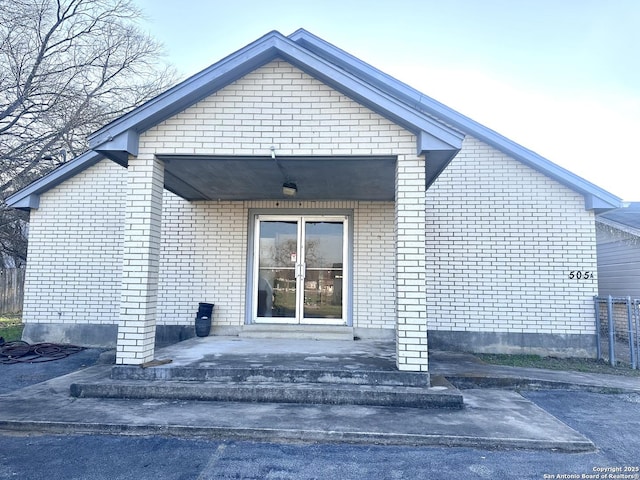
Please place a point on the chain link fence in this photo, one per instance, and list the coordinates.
(618, 330)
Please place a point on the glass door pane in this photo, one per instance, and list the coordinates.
(324, 261)
(277, 259)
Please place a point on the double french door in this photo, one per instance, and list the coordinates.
(300, 269)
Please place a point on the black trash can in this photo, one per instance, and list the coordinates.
(203, 319)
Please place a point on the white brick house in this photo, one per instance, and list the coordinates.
(410, 220)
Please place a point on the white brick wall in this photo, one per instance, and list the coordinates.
(411, 328)
(204, 259)
(501, 241)
(375, 269)
(276, 105)
(75, 249)
(140, 260)
(281, 106)
(500, 238)
(76, 243)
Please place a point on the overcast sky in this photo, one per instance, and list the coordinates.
(560, 77)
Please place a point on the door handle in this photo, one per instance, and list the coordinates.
(301, 270)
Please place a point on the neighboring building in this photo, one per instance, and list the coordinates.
(410, 221)
(618, 240)
(618, 247)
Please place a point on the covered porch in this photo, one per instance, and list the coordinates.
(400, 181)
(287, 126)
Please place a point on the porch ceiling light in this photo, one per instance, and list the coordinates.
(289, 189)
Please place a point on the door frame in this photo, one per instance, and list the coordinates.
(298, 212)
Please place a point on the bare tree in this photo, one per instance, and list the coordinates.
(13, 239)
(67, 67)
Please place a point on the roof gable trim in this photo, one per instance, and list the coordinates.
(189, 91)
(595, 197)
(122, 134)
(29, 197)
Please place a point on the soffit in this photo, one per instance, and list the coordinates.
(260, 178)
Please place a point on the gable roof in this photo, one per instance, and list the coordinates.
(119, 138)
(29, 197)
(595, 197)
(439, 130)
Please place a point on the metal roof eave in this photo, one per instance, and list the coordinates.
(377, 100)
(119, 139)
(29, 197)
(373, 88)
(189, 91)
(596, 198)
(120, 136)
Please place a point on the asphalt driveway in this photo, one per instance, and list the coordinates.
(20, 375)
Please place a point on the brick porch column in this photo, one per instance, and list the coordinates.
(137, 326)
(411, 300)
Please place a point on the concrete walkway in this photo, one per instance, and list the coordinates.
(491, 417)
(467, 371)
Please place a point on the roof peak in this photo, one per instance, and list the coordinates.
(439, 129)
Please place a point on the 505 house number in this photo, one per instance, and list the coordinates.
(580, 275)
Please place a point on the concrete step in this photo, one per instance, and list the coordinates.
(274, 392)
(305, 332)
(271, 374)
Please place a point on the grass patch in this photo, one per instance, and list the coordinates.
(11, 327)
(587, 365)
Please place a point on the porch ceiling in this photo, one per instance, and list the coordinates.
(260, 178)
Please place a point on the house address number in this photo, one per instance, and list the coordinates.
(580, 275)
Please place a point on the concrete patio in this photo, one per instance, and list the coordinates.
(490, 417)
(283, 370)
